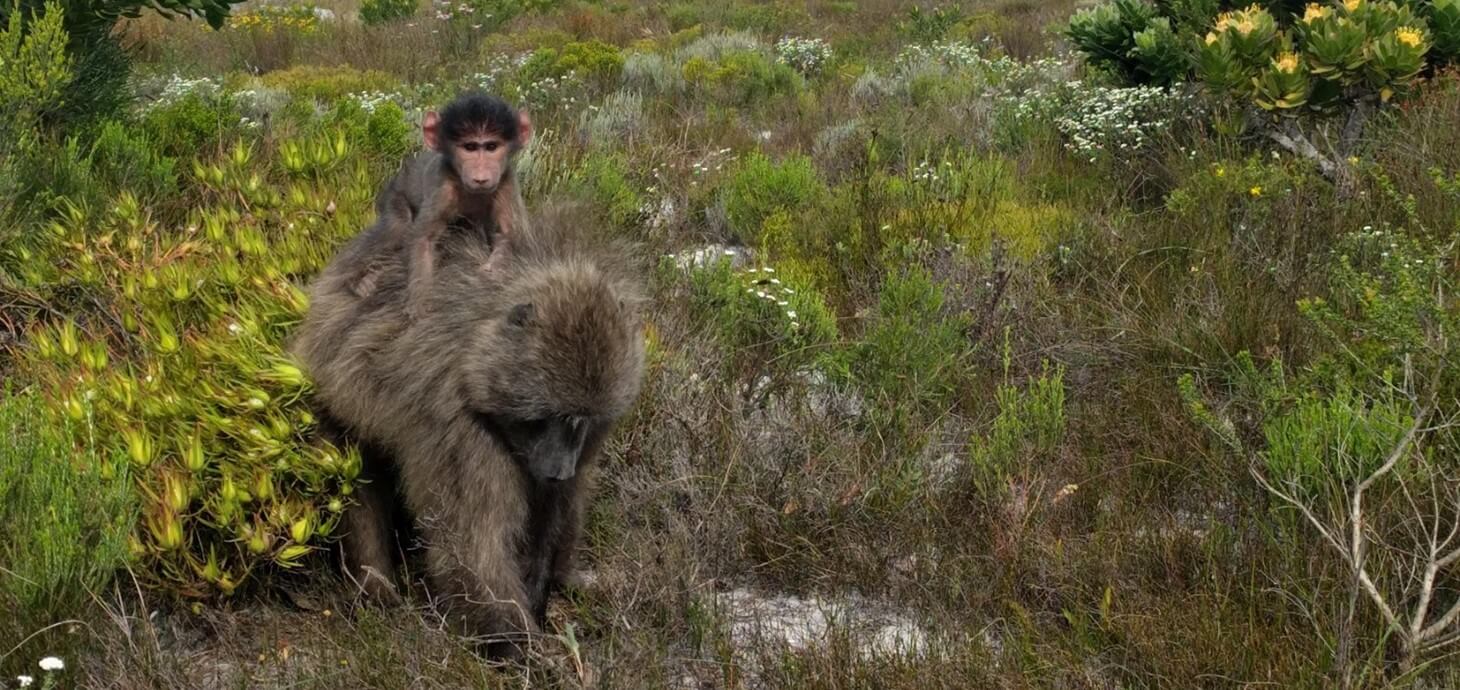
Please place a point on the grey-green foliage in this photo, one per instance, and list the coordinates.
(716, 46)
(616, 120)
(64, 519)
(652, 74)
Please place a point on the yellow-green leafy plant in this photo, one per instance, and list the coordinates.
(178, 357)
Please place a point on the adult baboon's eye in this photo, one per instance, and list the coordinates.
(470, 146)
(492, 146)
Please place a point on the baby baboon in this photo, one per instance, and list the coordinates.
(493, 406)
(464, 175)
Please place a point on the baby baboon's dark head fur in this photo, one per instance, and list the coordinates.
(566, 361)
(474, 111)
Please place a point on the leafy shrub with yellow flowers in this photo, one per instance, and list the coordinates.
(1321, 57)
(1333, 54)
(167, 334)
(293, 17)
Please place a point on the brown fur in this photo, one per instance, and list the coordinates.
(435, 394)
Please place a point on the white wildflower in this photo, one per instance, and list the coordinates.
(52, 663)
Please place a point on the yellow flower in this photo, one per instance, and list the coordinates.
(1224, 20)
(1314, 12)
(1352, 5)
(1255, 191)
(1211, 38)
(1245, 26)
(1287, 63)
(1409, 36)
(1221, 171)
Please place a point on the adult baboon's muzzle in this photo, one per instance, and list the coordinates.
(555, 467)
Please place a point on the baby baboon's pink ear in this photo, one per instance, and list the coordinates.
(524, 128)
(521, 315)
(431, 131)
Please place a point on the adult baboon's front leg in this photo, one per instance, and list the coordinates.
(477, 577)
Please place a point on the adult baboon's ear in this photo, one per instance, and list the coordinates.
(431, 130)
(521, 315)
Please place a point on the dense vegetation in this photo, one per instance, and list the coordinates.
(991, 345)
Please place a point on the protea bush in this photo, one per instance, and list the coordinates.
(1332, 55)
(170, 338)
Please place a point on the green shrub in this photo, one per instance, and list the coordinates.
(1444, 21)
(1129, 39)
(124, 158)
(1030, 423)
(66, 510)
(593, 60)
(35, 68)
(928, 26)
(380, 130)
(910, 360)
(760, 187)
(1340, 436)
(41, 178)
(328, 84)
(374, 12)
(742, 77)
(763, 315)
(609, 186)
(190, 124)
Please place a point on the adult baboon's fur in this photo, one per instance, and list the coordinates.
(491, 409)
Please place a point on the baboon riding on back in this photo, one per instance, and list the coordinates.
(481, 403)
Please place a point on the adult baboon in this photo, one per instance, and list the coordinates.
(491, 408)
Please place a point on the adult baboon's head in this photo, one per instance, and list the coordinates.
(557, 366)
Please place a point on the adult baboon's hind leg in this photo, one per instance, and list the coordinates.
(367, 545)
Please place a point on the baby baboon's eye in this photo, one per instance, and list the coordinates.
(492, 146)
(471, 146)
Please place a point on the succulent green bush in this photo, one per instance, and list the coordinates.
(177, 356)
(374, 12)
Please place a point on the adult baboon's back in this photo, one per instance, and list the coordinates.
(492, 406)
